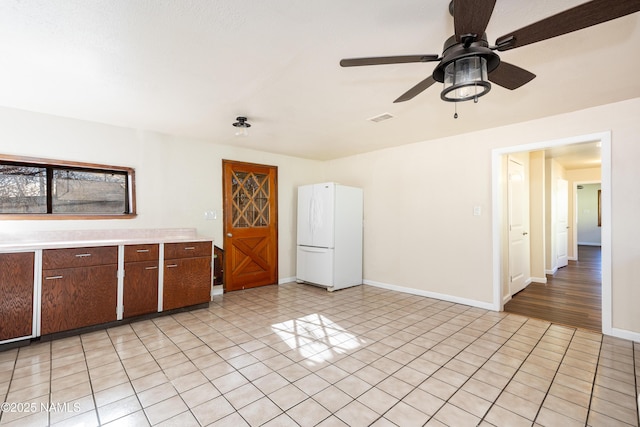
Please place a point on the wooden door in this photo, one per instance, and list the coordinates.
(518, 228)
(250, 225)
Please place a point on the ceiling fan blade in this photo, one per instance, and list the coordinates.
(380, 60)
(510, 76)
(471, 17)
(585, 15)
(417, 89)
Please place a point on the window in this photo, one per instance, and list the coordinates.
(56, 189)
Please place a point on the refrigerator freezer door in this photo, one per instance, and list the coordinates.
(315, 265)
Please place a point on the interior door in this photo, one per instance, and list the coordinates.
(562, 222)
(518, 218)
(250, 225)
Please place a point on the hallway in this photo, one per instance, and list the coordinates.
(572, 296)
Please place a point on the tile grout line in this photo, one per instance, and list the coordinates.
(163, 371)
(13, 371)
(380, 356)
(418, 356)
(86, 363)
(554, 377)
(516, 371)
(451, 358)
(593, 383)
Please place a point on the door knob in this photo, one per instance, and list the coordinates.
(229, 235)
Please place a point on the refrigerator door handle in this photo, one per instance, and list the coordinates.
(313, 249)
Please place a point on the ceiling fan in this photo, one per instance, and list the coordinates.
(468, 63)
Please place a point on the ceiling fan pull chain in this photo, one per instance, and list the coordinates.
(455, 106)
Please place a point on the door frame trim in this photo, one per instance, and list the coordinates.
(497, 220)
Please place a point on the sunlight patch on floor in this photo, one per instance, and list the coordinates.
(316, 337)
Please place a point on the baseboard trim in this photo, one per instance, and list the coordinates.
(539, 279)
(624, 334)
(551, 272)
(506, 299)
(435, 295)
(286, 280)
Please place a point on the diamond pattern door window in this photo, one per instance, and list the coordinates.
(250, 200)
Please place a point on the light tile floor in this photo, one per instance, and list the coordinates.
(296, 355)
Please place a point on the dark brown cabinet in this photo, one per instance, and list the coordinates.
(16, 290)
(140, 289)
(187, 274)
(79, 287)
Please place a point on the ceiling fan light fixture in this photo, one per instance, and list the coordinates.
(465, 79)
(242, 127)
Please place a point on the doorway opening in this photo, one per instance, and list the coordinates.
(572, 296)
(501, 283)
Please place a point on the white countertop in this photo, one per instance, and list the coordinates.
(10, 242)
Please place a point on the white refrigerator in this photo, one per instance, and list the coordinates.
(329, 252)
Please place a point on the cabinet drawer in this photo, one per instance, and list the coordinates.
(134, 253)
(187, 250)
(79, 257)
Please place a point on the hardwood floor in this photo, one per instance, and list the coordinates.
(572, 296)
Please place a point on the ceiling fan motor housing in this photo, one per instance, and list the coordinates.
(454, 50)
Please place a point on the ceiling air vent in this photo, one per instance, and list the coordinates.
(380, 118)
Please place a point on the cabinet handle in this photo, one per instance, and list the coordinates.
(151, 268)
(53, 277)
(82, 255)
(189, 248)
(141, 251)
(171, 265)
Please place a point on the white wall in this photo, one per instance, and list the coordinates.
(589, 232)
(177, 179)
(575, 177)
(420, 231)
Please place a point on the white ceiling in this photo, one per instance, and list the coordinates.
(189, 67)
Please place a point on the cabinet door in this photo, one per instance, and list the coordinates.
(77, 297)
(16, 290)
(187, 281)
(140, 288)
